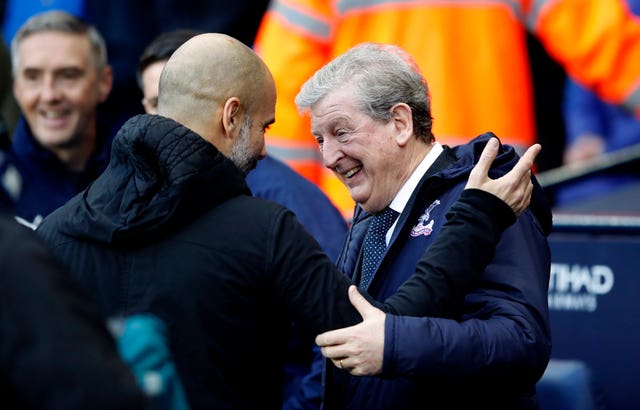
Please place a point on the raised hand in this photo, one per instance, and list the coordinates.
(358, 349)
(515, 187)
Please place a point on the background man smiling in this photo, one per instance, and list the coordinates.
(60, 76)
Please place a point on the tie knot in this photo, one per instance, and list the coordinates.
(383, 220)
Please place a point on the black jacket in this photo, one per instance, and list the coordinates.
(55, 351)
(171, 228)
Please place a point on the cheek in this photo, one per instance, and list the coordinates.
(381, 164)
(258, 139)
(24, 96)
(83, 97)
(255, 144)
(372, 153)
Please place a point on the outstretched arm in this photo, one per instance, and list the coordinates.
(474, 226)
(359, 348)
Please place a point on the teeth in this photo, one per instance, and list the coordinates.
(49, 114)
(352, 172)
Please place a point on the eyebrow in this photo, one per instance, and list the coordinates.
(338, 121)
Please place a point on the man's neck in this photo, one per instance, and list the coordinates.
(418, 169)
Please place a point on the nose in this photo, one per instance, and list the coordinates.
(331, 153)
(49, 90)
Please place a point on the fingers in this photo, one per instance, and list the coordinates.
(481, 169)
(340, 363)
(523, 170)
(532, 152)
(340, 336)
(333, 337)
(524, 201)
(357, 349)
(524, 190)
(360, 303)
(335, 352)
(515, 187)
(525, 163)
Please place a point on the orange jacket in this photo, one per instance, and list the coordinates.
(473, 54)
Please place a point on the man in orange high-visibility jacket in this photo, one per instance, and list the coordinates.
(473, 54)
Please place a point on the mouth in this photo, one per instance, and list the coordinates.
(54, 119)
(353, 171)
(53, 115)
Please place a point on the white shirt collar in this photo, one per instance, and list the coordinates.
(402, 197)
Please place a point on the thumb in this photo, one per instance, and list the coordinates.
(359, 302)
(481, 169)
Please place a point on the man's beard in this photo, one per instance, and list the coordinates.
(241, 154)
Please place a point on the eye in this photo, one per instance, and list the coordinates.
(31, 75)
(341, 135)
(70, 73)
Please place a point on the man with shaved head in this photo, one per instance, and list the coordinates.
(171, 229)
(240, 92)
(273, 180)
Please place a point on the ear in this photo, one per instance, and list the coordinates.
(402, 122)
(231, 113)
(106, 82)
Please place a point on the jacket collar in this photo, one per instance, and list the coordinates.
(161, 175)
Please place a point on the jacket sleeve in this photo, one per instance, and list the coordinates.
(504, 331)
(312, 289)
(474, 226)
(55, 349)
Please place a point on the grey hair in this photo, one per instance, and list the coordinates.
(383, 75)
(63, 22)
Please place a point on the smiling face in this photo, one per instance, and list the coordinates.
(365, 154)
(58, 88)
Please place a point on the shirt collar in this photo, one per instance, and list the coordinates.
(402, 197)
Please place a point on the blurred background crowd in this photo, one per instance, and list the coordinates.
(563, 73)
(490, 67)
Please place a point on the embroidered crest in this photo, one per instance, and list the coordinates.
(424, 226)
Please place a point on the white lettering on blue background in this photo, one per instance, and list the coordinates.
(577, 287)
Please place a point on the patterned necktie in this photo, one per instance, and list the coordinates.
(375, 243)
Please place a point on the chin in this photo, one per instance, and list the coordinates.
(55, 141)
(360, 199)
